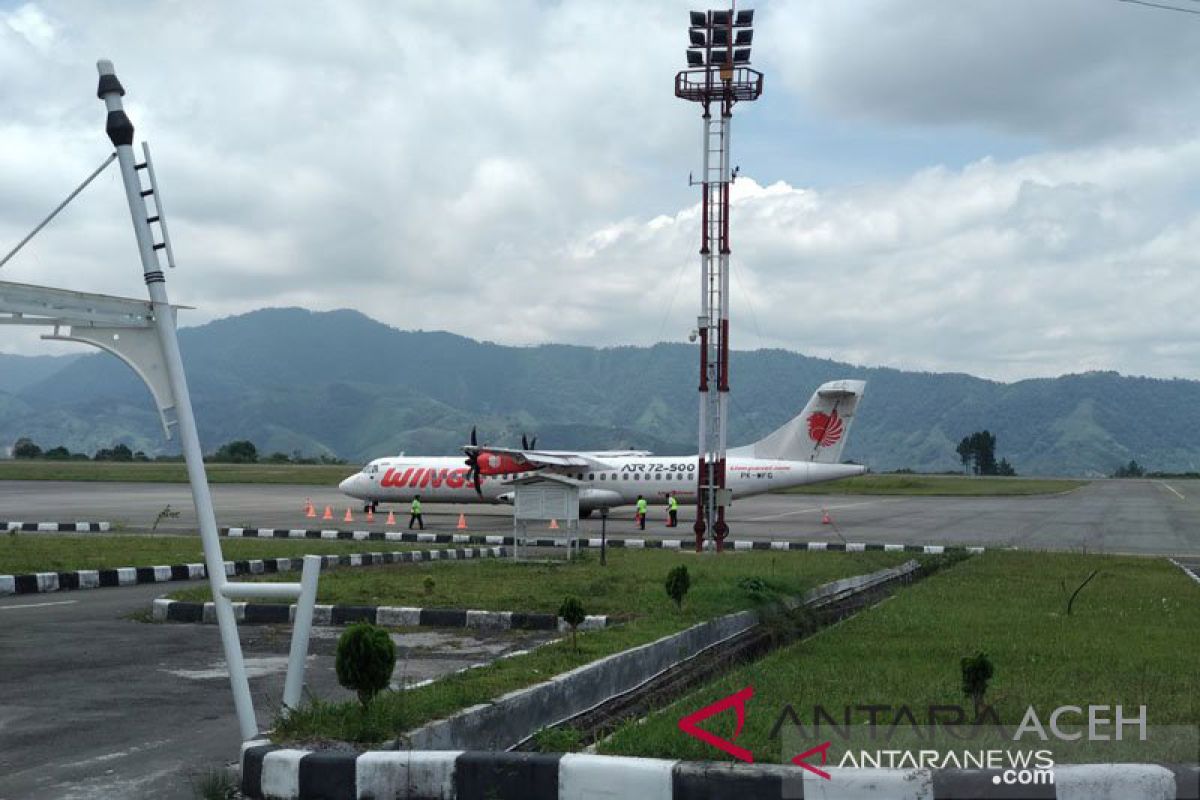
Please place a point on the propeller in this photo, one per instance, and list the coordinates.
(473, 463)
(530, 444)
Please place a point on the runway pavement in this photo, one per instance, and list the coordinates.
(96, 705)
(1113, 516)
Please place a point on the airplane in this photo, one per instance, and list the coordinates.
(807, 449)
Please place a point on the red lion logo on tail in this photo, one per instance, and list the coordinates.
(825, 429)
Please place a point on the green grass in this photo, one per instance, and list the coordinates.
(171, 472)
(42, 552)
(631, 586)
(948, 485)
(1131, 640)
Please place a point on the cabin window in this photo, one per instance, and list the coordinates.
(658, 477)
(603, 477)
(625, 476)
(591, 476)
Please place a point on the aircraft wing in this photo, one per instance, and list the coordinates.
(542, 458)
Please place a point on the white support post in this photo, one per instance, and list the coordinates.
(301, 628)
(120, 132)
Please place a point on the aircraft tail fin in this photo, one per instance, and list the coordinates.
(820, 431)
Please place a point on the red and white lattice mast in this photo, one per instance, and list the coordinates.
(717, 77)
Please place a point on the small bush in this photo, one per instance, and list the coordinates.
(429, 583)
(678, 583)
(976, 672)
(366, 657)
(571, 611)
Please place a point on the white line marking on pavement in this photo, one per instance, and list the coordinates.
(811, 509)
(38, 605)
(1173, 489)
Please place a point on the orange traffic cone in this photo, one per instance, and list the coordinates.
(553, 524)
(370, 515)
(328, 513)
(391, 520)
(825, 520)
(349, 517)
(462, 521)
(309, 511)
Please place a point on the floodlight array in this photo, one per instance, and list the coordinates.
(719, 39)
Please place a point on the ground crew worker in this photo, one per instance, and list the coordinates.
(415, 513)
(672, 510)
(641, 512)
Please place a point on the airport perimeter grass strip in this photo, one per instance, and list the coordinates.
(1130, 640)
(36, 582)
(940, 485)
(26, 554)
(629, 590)
(296, 774)
(323, 475)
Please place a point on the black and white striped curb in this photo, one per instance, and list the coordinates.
(1190, 567)
(165, 610)
(127, 576)
(590, 542)
(55, 527)
(276, 772)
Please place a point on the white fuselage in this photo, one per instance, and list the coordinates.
(445, 480)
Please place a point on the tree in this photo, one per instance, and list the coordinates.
(59, 453)
(1130, 470)
(240, 451)
(979, 450)
(366, 656)
(121, 452)
(678, 583)
(976, 672)
(571, 612)
(25, 448)
(1006, 469)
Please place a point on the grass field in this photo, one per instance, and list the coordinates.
(42, 552)
(155, 472)
(1131, 640)
(932, 485)
(631, 586)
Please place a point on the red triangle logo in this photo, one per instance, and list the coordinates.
(737, 700)
(800, 760)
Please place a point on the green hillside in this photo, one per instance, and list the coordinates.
(340, 383)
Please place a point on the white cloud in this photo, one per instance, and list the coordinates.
(514, 172)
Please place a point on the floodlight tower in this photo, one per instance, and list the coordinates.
(719, 75)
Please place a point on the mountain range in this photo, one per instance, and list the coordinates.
(343, 384)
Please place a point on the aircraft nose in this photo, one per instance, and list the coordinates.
(347, 486)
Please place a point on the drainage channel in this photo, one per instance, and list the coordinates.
(777, 629)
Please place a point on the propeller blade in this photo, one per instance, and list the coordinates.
(473, 464)
(533, 443)
(473, 440)
(524, 442)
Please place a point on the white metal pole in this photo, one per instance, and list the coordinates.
(120, 132)
(294, 683)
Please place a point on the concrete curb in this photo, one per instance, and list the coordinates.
(275, 772)
(165, 610)
(55, 527)
(511, 718)
(36, 582)
(629, 543)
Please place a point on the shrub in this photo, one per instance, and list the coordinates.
(429, 583)
(976, 672)
(678, 583)
(366, 657)
(571, 611)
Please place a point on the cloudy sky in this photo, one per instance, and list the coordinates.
(1008, 188)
